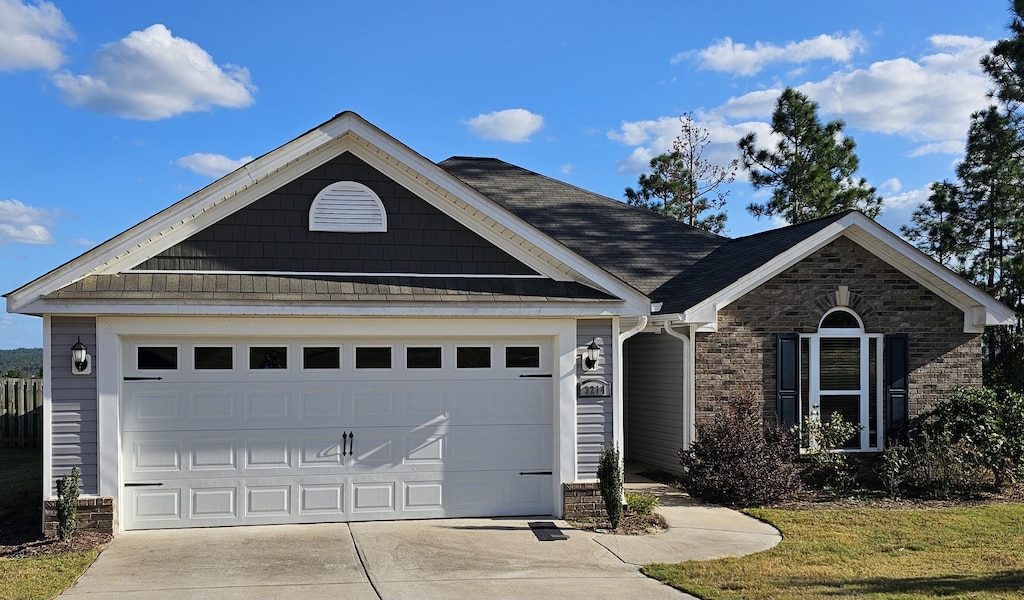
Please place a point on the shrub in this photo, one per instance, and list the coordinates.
(893, 468)
(942, 467)
(989, 425)
(737, 459)
(67, 504)
(642, 503)
(609, 476)
(835, 472)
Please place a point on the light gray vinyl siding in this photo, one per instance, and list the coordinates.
(594, 415)
(73, 415)
(654, 399)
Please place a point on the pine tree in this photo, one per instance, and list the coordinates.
(683, 184)
(811, 173)
(937, 223)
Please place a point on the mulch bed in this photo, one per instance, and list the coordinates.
(20, 537)
(631, 524)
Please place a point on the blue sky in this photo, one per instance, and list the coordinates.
(111, 111)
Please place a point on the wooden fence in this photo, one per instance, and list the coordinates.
(21, 413)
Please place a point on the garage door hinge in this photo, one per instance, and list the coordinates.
(142, 484)
(143, 378)
(548, 375)
(535, 472)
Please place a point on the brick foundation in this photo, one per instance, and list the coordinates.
(94, 514)
(582, 501)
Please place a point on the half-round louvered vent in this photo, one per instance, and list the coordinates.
(347, 206)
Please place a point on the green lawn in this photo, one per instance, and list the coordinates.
(975, 552)
(40, 577)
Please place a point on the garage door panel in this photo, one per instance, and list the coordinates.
(496, 447)
(238, 448)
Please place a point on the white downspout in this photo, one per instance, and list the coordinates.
(689, 381)
(625, 335)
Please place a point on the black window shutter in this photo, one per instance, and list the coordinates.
(897, 384)
(787, 378)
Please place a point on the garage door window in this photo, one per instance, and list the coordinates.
(268, 357)
(522, 357)
(218, 358)
(373, 357)
(157, 358)
(473, 357)
(321, 357)
(423, 357)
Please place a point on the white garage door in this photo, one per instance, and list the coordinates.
(246, 432)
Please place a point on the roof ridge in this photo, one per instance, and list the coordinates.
(618, 203)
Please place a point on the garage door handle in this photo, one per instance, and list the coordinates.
(344, 444)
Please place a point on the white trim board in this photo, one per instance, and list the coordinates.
(345, 132)
(979, 308)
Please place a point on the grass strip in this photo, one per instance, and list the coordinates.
(951, 553)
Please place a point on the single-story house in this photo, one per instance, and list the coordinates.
(344, 330)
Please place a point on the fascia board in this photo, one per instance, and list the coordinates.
(707, 310)
(425, 177)
(980, 309)
(886, 246)
(288, 307)
(345, 132)
(110, 255)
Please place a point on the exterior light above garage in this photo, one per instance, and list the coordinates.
(593, 354)
(80, 359)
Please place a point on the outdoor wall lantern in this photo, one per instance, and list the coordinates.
(81, 360)
(592, 355)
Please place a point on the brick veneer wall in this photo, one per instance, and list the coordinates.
(94, 514)
(582, 500)
(741, 354)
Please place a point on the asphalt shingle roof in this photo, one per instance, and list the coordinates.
(668, 261)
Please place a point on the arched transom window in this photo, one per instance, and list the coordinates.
(840, 373)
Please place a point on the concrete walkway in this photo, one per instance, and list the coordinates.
(696, 531)
(451, 559)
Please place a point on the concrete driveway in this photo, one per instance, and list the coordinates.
(463, 558)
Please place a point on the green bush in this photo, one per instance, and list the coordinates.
(938, 466)
(67, 504)
(833, 471)
(893, 468)
(989, 426)
(641, 503)
(609, 476)
(739, 460)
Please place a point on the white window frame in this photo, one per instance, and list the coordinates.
(814, 379)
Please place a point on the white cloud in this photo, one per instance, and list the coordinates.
(654, 137)
(30, 35)
(905, 201)
(22, 224)
(891, 186)
(512, 125)
(151, 75)
(211, 165)
(731, 57)
(82, 242)
(929, 100)
(566, 169)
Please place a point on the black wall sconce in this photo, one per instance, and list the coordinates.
(592, 355)
(81, 360)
